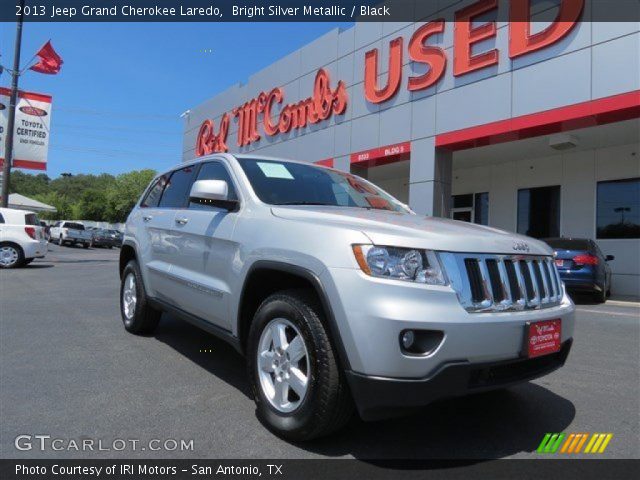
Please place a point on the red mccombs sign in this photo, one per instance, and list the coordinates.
(326, 101)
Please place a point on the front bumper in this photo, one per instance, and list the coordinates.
(379, 397)
(371, 313)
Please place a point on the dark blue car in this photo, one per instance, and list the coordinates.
(582, 266)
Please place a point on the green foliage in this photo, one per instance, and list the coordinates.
(84, 197)
(125, 193)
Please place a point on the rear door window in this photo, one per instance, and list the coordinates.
(74, 226)
(176, 192)
(31, 219)
(152, 198)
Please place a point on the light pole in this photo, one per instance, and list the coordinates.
(8, 145)
(621, 211)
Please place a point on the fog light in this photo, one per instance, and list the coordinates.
(408, 337)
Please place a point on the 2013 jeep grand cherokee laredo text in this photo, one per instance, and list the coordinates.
(338, 294)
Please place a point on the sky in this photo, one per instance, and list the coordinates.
(118, 98)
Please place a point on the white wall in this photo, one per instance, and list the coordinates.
(577, 173)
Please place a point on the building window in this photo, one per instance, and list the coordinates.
(539, 212)
(618, 209)
(470, 207)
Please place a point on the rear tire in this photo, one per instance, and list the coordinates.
(85, 245)
(601, 296)
(60, 241)
(138, 316)
(325, 404)
(11, 255)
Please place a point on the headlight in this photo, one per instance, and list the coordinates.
(421, 266)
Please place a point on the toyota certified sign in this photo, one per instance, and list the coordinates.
(31, 130)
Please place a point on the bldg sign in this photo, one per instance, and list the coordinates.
(257, 112)
(466, 34)
(31, 133)
(255, 116)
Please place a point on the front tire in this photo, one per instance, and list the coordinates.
(138, 316)
(298, 386)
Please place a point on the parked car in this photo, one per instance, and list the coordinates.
(118, 236)
(582, 266)
(21, 238)
(336, 293)
(45, 230)
(105, 238)
(65, 232)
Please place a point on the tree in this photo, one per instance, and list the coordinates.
(92, 205)
(29, 185)
(85, 197)
(125, 193)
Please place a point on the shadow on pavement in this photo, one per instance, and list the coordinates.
(223, 361)
(482, 426)
(584, 299)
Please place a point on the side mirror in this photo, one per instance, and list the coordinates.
(608, 258)
(209, 191)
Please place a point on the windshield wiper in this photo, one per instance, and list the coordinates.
(306, 203)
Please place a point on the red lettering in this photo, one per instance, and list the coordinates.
(435, 57)
(520, 39)
(274, 96)
(208, 142)
(371, 90)
(465, 36)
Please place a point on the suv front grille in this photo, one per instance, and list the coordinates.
(487, 282)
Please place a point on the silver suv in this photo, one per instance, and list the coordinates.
(338, 294)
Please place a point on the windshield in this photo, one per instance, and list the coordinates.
(285, 183)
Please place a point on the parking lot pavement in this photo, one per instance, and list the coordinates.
(68, 369)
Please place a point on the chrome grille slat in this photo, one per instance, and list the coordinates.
(506, 287)
(536, 301)
(545, 286)
(473, 276)
(486, 282)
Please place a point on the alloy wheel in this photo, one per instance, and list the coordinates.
(129, 296)
(283, 365)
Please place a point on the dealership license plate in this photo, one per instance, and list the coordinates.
(559, 263)
(544, 337)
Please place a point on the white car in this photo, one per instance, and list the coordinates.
(65, 232)
(21, 238)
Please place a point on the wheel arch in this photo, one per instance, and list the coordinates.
(281, 276)
(14, 244)
(127, 253)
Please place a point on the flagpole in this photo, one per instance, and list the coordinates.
(8, 146)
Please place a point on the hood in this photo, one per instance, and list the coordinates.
(416, 231)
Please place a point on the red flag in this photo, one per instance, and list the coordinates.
(50, 62)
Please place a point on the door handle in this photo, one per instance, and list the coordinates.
(182, 220)
(146, 218)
